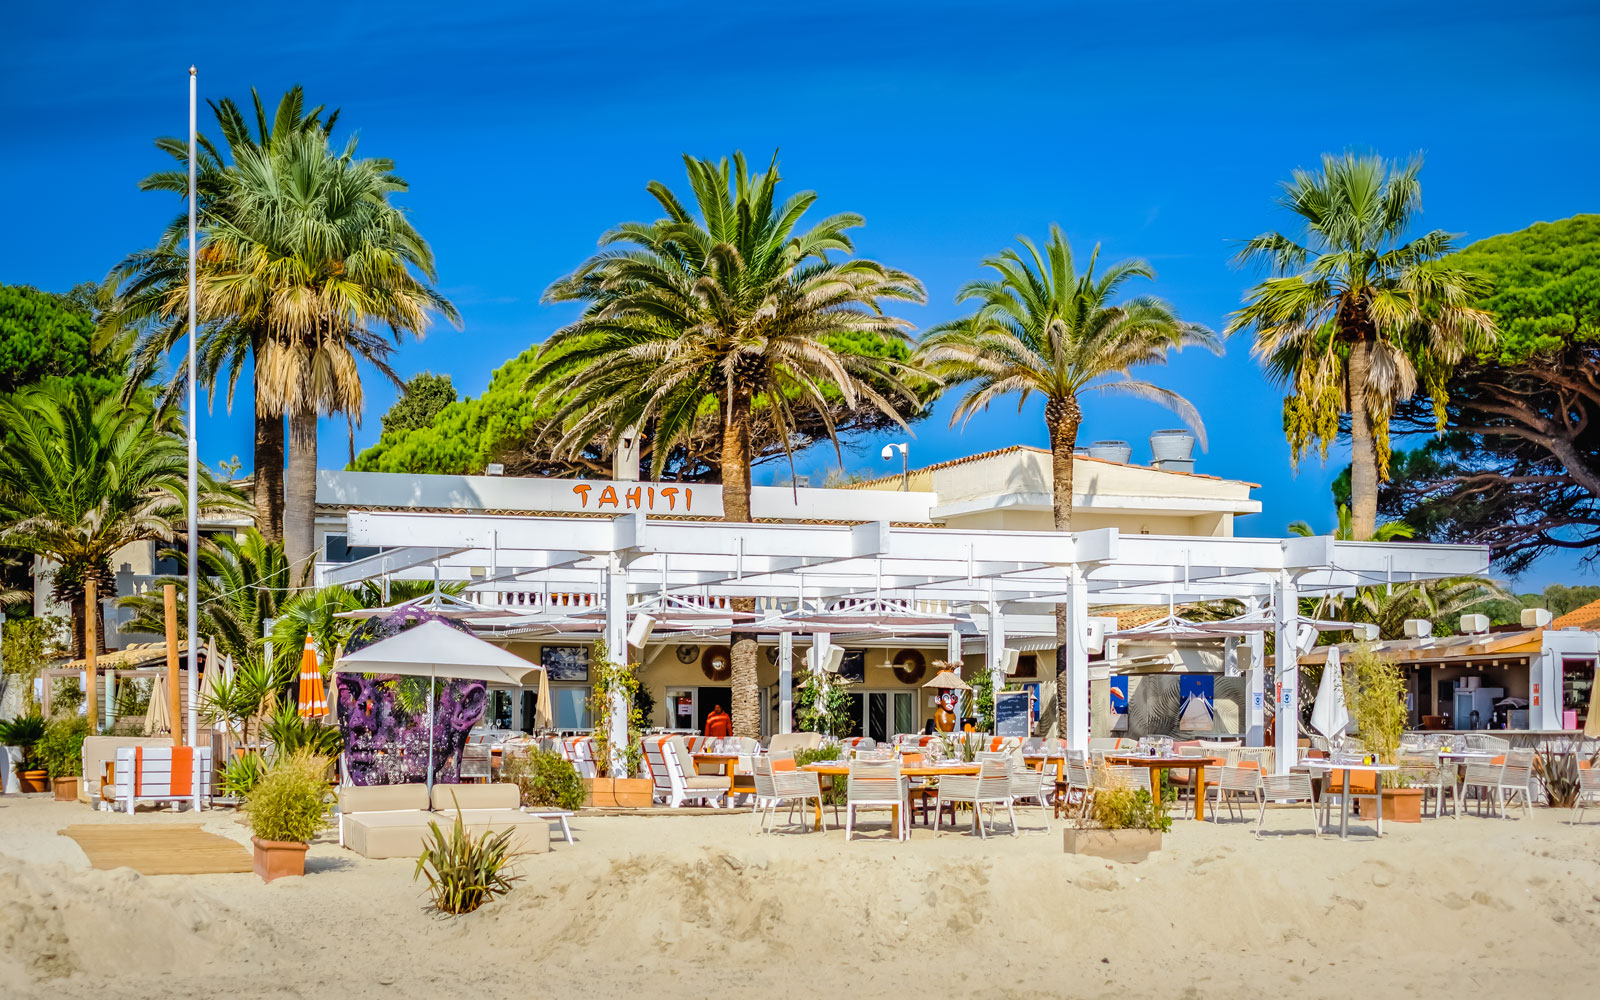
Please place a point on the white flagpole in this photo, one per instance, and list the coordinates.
(194, 515)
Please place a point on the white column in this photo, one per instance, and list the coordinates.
(996, 646)
(616, 636)
(785, 682)
(1255, 685)
(952, 649)
(1286, 610)
(1077, 693)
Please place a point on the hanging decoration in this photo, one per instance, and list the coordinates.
(717, 663)
(910, 666)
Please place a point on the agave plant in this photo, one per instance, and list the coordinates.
(464, 871)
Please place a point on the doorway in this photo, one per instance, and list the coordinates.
(707, 698)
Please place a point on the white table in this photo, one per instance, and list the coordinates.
(1377, 770)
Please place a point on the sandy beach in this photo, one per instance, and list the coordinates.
(693, 906)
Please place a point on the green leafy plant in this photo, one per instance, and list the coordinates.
(835, 794)
(1376, 692)
(24, 732)
(983, 698)
(26, 649)
(60, 748)
(240, 776)
(464, 871)
(289, 733)
(1121, 808)
(824, 704)
(289, 803)
(612, 677)
(545, 779)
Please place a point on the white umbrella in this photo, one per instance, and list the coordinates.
(156, 717)
(1330, 716)
(212, 674)
(433, 650)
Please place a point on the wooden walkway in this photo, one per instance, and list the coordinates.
(159, 850)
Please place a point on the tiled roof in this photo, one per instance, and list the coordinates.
(1586, 617)
(982, 455)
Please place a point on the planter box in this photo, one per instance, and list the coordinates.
(278, 858)
(618, 793)
(34, 781)
(1127, 846)
(66, 788)
(1400, 805)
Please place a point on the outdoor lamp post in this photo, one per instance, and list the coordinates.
(905, 470)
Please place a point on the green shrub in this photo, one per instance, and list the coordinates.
(24, 731)
(545, 778)
(241, 775)
(1376, 689)
(465, 872)
(289, 733)
(60, 749)
(289, 802)
(834, 795)
(1128, 809)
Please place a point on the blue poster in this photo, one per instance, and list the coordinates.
(1119, 695)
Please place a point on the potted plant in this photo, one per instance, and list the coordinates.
(1124, 824)
(60, 750)
(616, 682)
(23, 734)
(1377, 704)
(287, 807)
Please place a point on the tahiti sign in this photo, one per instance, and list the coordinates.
(656, 499)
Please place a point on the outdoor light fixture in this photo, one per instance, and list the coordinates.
(905, 469)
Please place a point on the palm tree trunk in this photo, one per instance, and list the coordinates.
(1363, 452)
(269, 476)
(300, 495)
(1062, 417)
(744, 652)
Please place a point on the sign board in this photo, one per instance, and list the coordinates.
(1013, 713)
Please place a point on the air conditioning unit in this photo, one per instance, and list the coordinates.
(1474, 624)
(1418, 628)
(1536, 617)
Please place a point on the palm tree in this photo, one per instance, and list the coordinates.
(82, 474)
(715, 315)
(1388, 531)
(1041, 327)
(1353, 319)
(243, 582)
(154, 281)
(312, 249)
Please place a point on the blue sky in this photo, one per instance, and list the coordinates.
(1157, 130)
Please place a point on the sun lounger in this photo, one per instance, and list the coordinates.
(493, 807)
(392, 821)
(162, 774)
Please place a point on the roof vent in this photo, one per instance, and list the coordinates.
(1111, 451)
(1172, 450)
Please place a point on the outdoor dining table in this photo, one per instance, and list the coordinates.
(1037, 761)
(841, 769)
(726, 763)
(1377, 770)
(1156, 765)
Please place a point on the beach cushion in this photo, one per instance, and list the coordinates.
(402, 834)
(495, 795)
(382, 798)
(793, 741)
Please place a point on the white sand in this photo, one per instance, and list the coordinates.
(692, 906)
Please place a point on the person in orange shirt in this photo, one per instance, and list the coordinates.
(718, 723)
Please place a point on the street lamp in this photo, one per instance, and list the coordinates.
(905, 471)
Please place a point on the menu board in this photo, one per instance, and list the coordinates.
(1013, 713)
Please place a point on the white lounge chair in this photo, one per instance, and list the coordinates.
(162, 774)
(683, 784)
(991, 787)
(878, 785)
(1588, 789)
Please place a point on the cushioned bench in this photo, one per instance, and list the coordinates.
(392, 821)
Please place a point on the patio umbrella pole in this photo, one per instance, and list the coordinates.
(431, 672)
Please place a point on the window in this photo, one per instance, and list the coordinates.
(337, 549)
(571, 704)
(853, 667)
(1577, 679)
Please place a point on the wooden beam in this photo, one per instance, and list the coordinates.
(169, 599)
(91, 679)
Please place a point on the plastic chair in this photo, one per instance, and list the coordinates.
(875, 784)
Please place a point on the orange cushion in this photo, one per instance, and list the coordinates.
(911, 759)
(1584, 765)
(783, 765)
(1499, 760)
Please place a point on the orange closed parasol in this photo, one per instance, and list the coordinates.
(313, 695)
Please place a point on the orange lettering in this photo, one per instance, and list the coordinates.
(583, 491)
(688, 499)
(652, 492)
(671, 493)
(632, 497)
(607, 496)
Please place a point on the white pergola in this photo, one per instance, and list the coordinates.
(787, 567)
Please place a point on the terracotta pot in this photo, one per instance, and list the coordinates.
(34, 781)
(1400, 805)
(1127, 846)
(618, 793)
(278, 858)
(66, 788)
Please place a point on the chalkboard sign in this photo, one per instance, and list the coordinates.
(1013, 712)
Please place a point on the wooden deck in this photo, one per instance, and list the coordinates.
(159, 850)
